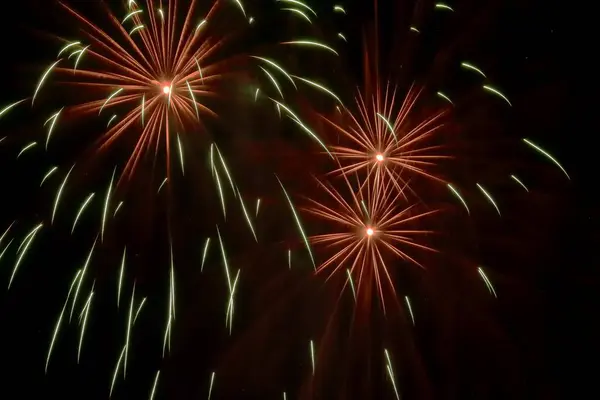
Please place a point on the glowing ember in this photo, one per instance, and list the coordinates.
(166, 89)
(379, 157)
(370, 232)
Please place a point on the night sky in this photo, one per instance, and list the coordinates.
(537, 340)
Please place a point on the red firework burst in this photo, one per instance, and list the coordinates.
(149, 64)
(382, 140)
(368, 227)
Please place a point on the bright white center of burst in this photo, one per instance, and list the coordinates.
(370, 231)
(379, 157)
(166, 89)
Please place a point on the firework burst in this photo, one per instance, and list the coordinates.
(400, 135)
(368, 227)
(380, 142)
(155, 69)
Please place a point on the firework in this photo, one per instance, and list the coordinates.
(381, 141)
(146, 72)
(401, 135)
(368, 227)
(381, 145)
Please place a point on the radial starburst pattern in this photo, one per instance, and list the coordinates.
(382, 140)
(154, 68)
(365, 228)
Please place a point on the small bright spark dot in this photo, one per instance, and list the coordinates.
(166, 89)
(379, 157)
(370, 231)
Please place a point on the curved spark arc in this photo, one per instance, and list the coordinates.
(379, 144)
(370, 227)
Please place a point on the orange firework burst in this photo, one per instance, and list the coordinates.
(158, 71)
(371, 228)
(382, 140)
